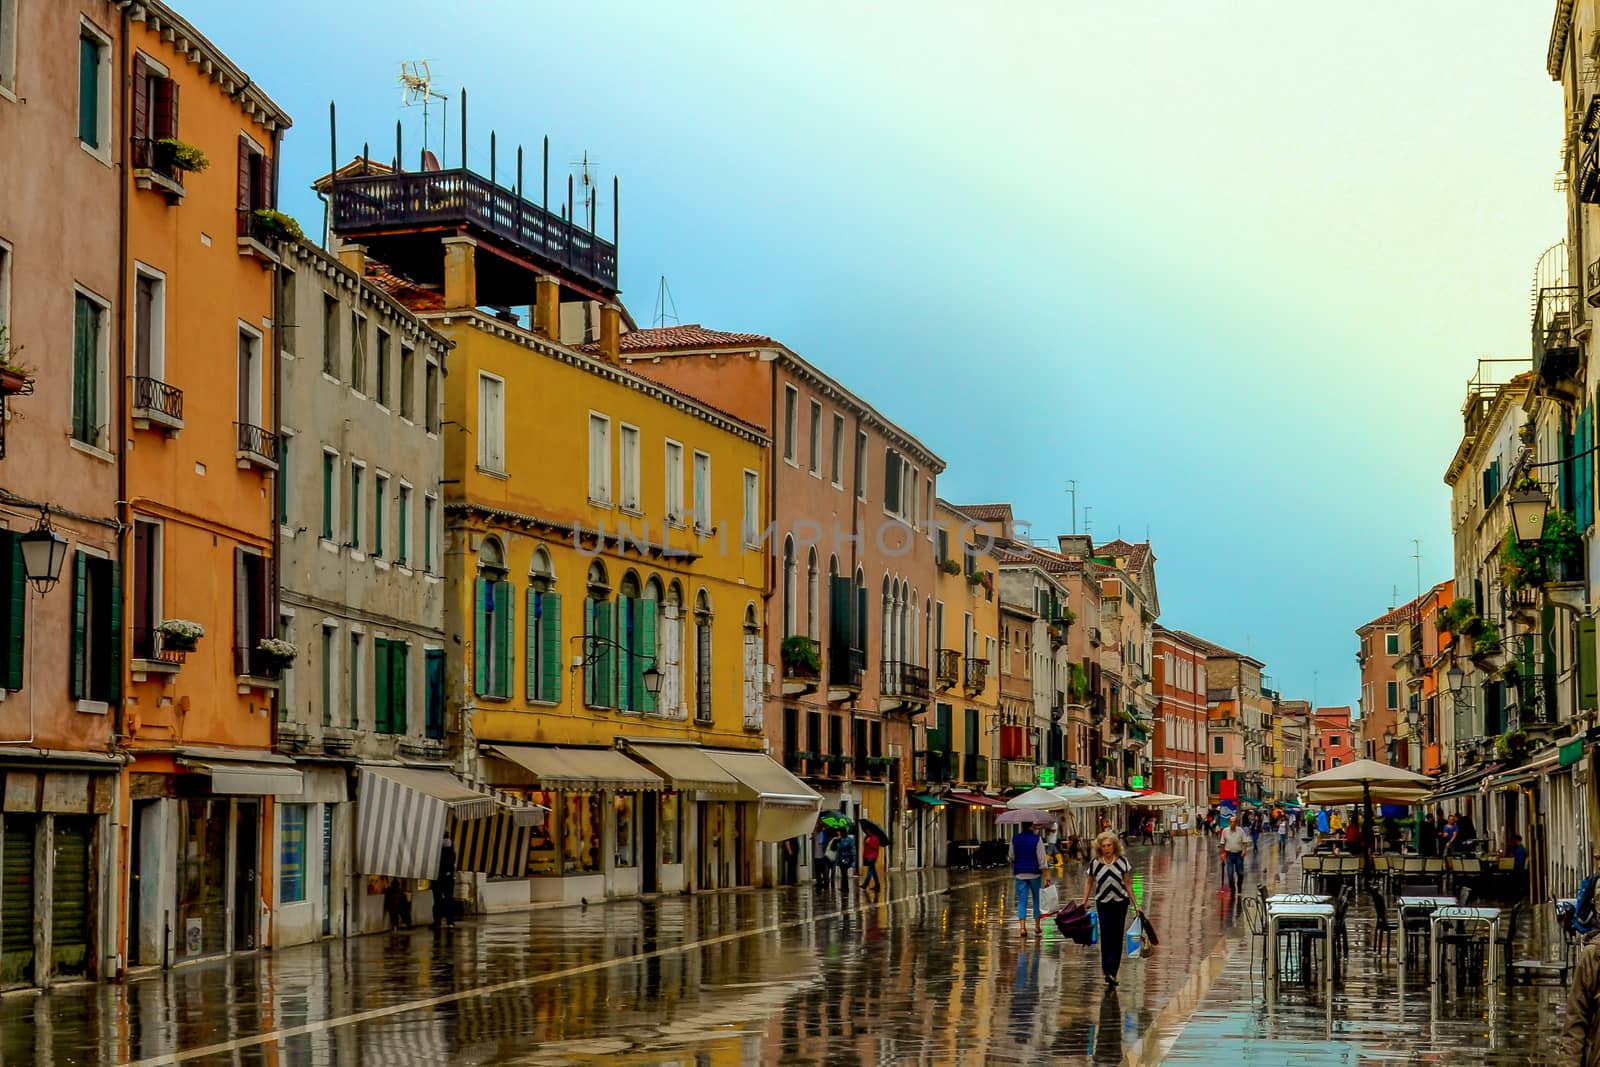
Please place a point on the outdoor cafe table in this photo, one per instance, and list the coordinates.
(1299, 898)
(1456, 913)
(971, 851)
(1322, 915)
(1416, 904)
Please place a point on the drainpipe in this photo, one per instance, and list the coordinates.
(120, 803)
(277, 418)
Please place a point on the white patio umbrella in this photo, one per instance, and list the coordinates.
(1039, 798)
(1159, 800)
(1367, 777)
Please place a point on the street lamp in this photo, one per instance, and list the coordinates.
(1528, 506)
(1455, 678)
(652, 681)
(43, 553)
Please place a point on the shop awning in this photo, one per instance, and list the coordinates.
(687, 767)
(976, 800)
(1459, 785)
(249, 779)
(932, 802)
(402, 814)
(1517, 776)
(582, 769)
(785, 806)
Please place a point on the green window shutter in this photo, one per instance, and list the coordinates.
(531, 666)
(480, 639)
(1588, 691)
(591, 666)
(400, 691)
(80, 645)
(88, 92)
(605, 626)
(114, 636)
(82, 368)
(840, 615)
(13, 610)
(550, 652)
(646, 636)
(505, 602)
(380, 689)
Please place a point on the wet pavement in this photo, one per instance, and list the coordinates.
(931, 973)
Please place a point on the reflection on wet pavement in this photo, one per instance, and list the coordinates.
(934, 973)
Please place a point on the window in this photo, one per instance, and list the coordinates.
(752, 509)
(5, 249)
(702, 492)
(356, 471)
(282, 476)
(332, 360)
(599, 460)
(94, 88)
(408, 389)
(155, 114)
(285, 309)
(791, 416)
(813, 597)
(90, 357)
(899, 482)
(624, 804)
(381, 392)
(430, 504)
(330, 494)
(1394, 695)
(491, 423)
(838, 449)
(149, 329)
(255, 184)
(702, 659)
(791, 605)
(861, 465)
(358, 352)
(292, 854)
(433, 722)
(494, 624)
(1216, 745)
(254, 617)
(630, 467)
(391, 691)
(380, 499)
(430, 395)
(1391, 644)
(402, 530)
(8, 44)
(250, 381)
(674, 482)
(544, 653)
(146, 580)
(599, 670)
(355, 680)
(816, 438)
(330, 637)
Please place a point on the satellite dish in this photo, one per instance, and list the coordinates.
(429, 160)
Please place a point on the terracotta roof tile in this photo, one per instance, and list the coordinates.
(1403, 613)
(987, 512)
(689, 335)
(416, 297)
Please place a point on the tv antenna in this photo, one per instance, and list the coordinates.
(591, 194)
(416, 87)
(663, 302)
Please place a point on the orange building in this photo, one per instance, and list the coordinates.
(1335, 744)
(1383, 701)
(200, 499)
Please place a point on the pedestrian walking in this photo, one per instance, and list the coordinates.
(845, 859)
(1028, 861)
(870, 851)
(1582, 1035)
(444, 886)
(820, 859)
(1111, 885)
(1234, 842)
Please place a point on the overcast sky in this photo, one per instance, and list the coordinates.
(1227, 265)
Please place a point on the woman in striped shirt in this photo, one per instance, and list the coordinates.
(1111, 886)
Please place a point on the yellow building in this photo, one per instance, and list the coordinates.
(603, 550)
(953, 747)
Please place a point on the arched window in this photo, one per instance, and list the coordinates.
(599, 629)
(886, 640)
(630, 680)
(752, 668)
(495, 623)
(673, 661)
(543, 670)
(702, 657)
(650, 645)
(813, 596)
(790, 605)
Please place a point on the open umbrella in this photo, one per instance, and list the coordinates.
(1158, 800)
(872, 828)
(1372, 779)
(836, 820)
(1041, 798)
(1024, 817)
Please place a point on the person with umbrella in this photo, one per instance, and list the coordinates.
(870, 849)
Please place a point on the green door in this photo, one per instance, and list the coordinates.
(16, 900)
(70, 893)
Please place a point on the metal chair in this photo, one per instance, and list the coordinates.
(1383, 927)
(1311, 868)
(1255, 918)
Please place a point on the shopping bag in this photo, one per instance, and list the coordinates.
(1149, 931)
(1135, 938)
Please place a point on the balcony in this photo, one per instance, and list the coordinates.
(933, 768)
(845, 667)
(1018, 774)
(153, 168)
(873, 768)
(1591, 286)
(975, 769)
(1589, 173)
(798, 761)
(977, 675)
(256, 669)
(155, 403)
(802, 665)
(1556, 314)
(151, 657)
(949, 668)
(905, 681)
(258, 447)
(1269, 755)
(391, 210)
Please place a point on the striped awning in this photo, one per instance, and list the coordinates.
(582, 769)
(497, 845)
(524, 813)
(402, 814)
(686, 766)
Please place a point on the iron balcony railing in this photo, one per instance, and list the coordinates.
(905, 680)
(1556, 313)
(154, 396)
(975, 768)
(949, 667)
(376, 202)
(148, 645)
(977, 674)
(258, 442)
(1589, 173)
(845, 667)
(933, 767)
(254, 663)
(150, 154)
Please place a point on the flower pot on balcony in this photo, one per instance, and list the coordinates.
(180, 635)
(274, 654)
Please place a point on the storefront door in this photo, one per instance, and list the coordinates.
(71, 890)
(246, 854)
(16, 899)
(202, 877)
(650, 857)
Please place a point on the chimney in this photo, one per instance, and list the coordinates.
(547, 307)
(354, 256)
(460, 273)
(1074, 546)
(610, 333)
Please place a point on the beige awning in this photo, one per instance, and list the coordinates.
(786, 807)
(585, 769)
(249, 779)
(687, 767)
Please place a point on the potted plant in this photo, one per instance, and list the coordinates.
(275, 652)
(173, 155)
(180, 635)
(268, 222)
(799, 655)
(14, 376)
(1525, 433)
(950, 566)
(1511, 745)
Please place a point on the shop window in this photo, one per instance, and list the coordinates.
(667, 832)
(544, 850)
(625, 854)
(292, 854)
(580, 833)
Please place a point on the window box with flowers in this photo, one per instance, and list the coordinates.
(180, 635)
(950, 566)
(16, 379)
(275, 654)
